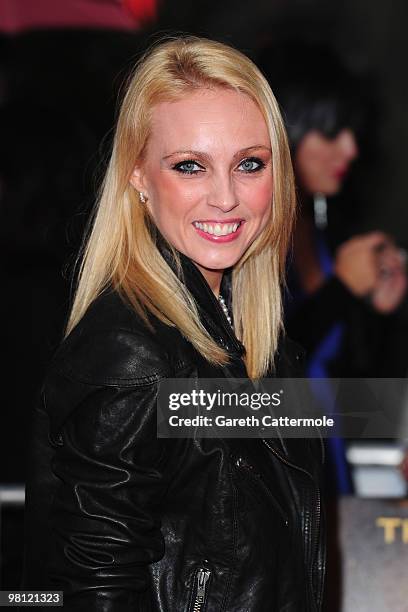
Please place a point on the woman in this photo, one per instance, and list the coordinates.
(335, 299)
(180, 277)
(323, 110)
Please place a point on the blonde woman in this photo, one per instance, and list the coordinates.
(180, 277)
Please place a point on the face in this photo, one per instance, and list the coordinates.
(322, 163)
(208, 178)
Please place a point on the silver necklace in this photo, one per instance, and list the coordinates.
(225, 309)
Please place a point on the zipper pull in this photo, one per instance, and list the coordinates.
(203, 577)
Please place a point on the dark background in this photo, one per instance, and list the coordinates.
(58, 94)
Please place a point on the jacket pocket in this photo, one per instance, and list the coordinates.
(200, 584)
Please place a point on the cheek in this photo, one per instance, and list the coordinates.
(313, 159)
(171, 197)
(323, 158)
(259, 198)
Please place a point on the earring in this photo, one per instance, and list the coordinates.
(142, 197)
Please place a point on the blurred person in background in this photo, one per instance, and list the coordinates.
(325, 118)
(336, 300)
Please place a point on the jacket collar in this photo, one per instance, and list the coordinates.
(289, 354)
(209, 308)
(289, 357)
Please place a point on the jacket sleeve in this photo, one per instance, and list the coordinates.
(105, 517)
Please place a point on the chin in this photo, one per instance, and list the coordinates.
(215, 266)
(332, 189)
(216, 263)
(335, 188)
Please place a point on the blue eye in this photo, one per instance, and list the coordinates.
(188, 167)
(251, 164)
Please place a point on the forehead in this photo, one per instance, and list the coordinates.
(208, 118)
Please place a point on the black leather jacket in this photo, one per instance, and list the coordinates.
(122, 521)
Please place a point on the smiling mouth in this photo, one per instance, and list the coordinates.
(218, 229)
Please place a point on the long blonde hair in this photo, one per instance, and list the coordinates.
(120, 250)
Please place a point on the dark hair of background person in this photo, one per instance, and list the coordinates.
(314, 90)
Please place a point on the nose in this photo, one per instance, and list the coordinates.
(222, 194)
(347, 144)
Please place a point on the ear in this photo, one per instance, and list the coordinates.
(137, 178)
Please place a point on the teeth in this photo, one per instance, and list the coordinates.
(219, 229)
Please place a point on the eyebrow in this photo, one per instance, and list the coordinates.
(208, 157)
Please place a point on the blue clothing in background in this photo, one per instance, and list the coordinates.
(318, 367)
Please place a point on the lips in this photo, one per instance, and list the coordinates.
(340, 173)
(219, 231)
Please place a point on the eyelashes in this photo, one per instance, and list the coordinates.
(249, 165)
(189, 166)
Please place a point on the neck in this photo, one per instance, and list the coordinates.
(213, 278)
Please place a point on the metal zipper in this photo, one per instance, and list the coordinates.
(201, 580)
(318, 506)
